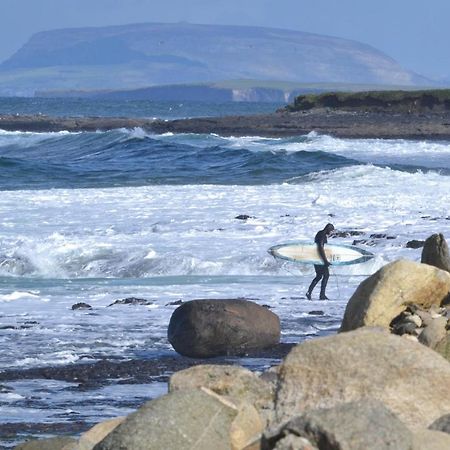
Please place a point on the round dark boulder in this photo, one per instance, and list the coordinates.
(208, 328)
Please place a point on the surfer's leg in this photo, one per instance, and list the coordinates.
(323, 286)
(317, 278)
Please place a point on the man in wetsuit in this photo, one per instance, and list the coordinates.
(322, 272)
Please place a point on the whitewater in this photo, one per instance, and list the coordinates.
(98, 217)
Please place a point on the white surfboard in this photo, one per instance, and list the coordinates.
(307, 253)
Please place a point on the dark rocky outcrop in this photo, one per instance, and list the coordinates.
(132, 301)
(436, 253)
(207, 328)
(340, 124)
(81, 305)
(415, 244)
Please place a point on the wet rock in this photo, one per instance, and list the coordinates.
(361, 425)
(368, 242)
(316, 313)
(381, 236)
(435, 252)
(208, 328)
(387, 293)
(55, 443)
(410, 379)
(415, 244)
(132, 301)
(175, 303)
(244, 217)
(186, 419)
(441, 424)
(81, 305)
(346, 233)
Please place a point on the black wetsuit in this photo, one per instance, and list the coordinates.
(322, 271)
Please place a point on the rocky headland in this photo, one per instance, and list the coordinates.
(381, 115)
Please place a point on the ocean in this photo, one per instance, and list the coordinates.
(99, 217)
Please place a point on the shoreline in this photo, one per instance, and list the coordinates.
(339, 124)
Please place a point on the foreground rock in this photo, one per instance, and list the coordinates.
(196, 419)
(363, 425)
(386, 294)
(435, 252)
(430, 440)
(410, 379)
(56, 443)
(96, 434)
(232, 382)
(208, 328)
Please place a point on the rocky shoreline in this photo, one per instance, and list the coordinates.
(382, 382)
(342, 124)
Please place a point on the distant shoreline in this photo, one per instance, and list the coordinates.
(355, 125)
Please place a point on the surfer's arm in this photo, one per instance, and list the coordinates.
(321, 250)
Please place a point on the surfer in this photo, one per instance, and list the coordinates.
(322, 271)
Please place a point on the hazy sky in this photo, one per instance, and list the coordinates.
(414, 32)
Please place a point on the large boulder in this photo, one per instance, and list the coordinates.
(384, 295)
(410, 379)
(233, 382)
(197, 419)
(208, 328)
(363, 425)
(435, 252)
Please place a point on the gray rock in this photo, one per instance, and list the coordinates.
(441, 424)
(434, 333)
(362, 425)
(193, 419)
(55, 443)
(233, 382)
(208, 328)
(410, 379)
(435, 252)
(81, 305)
(132, 301)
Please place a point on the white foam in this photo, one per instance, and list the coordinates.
(17, 295)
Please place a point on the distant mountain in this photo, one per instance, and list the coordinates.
(141, 55)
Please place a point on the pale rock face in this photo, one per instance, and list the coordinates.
(431, 440)
(410, 379)
(385, 294)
